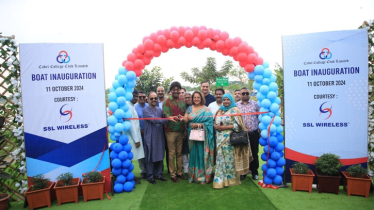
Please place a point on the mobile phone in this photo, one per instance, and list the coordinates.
(221, 124)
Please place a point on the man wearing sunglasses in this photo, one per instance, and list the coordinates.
(139, 109)
(251, 123)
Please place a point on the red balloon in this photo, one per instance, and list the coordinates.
(135, 50)
(164, 49)
(177, 46)
(207, 42)
(167, 33)
(170, 43)
(182, 41)
(145, 38)
(196, 41)
(235, 58)
(139, 55)
(242, 63)
(147, 60)
(203, 28)
(174, 35)
(237, 41)
(224, 35)
(188, 34)
(200, 46)
(226, 51)
(188, 44)
(195, 30)
(148, 44)
(251, 58)
(216, 38)
(219, 49)
(161, 39)
(129, 65)
(124, 62)
(157, 54)
(173, 28)
(242, 47)
(259, 61)
(217, 32)
(157, 48)
(210, 33)
(153, 37)
(141, 48)
(138, 73)
(220, 45)
(255, 53)
(233, 51)
(149, 53)
(249, 67)
(181, 30)
(229, 43)
(202, 34)
(213, 46)
(138, 63)
(160, 32)
(131, 57)
(188, 28)
(242, 57)
(249, 50)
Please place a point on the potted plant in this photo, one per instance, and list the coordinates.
(66, 188)
(356, 181)
(93, 185)
(39, 194)
(301, 177)
(327, 169)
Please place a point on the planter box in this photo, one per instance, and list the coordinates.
(4, 201)
(328, 183)
(66, 194)
(302, 182)
(39, 198)
(93, 190)
(356, 186)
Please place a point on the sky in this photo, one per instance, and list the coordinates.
(121, 25)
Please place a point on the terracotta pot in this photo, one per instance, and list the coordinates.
(4, 201)
(66, 194)
(39, 198)
(328, 183)
(302, 182)
(93, 190)
(356, 186)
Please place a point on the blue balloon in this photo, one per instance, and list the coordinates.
(279, 170)
(125, 107)
(113, 137)
(271, 95)
(131, 165)
(264, 134)
(277, 113)
(113, 106)
(120, 120)
(258, 78)
(117, 134)
(262, 126)
(256, 85)
(263, 142)
(277, 180)
(131, 83)
(111, 129)
(130, 90)
(116, 171)
(273, 141)
(123, 139)
(130, 176)
(260, 117)
(268, 149)
(251, 75)
(268, 180)
(128, 96)
(116, 163)
(126, 125)
(277, 100)
(119, 114)
(264, 167)
(273, 86)
(264, 89)
(273, 78)
(121, 101)
(271, 163)
(117, 147)
(277, 120)
(122, 70)
(127, 187)
(121, 179)
(265, 64)
(259, 103)
(111, 147)
(130, 75)
(279, 147)
(122, 155)
(271, 114)
(136, 78)
(126, 163)
(281, 154)
(130, 155)
(272, 128)
(116, 77)
(120, 91)
(266, 103)
(118, 128)
(267, 73)
(279, 129)
(275, 156)
(127, 148)
(264, 156)
(281, 162)
(279, 137)
(260, 96)
(116, 84)
(265, 81)
(111, 90)
(118, 188)
(113, 155)
(128, 114)
(266, 120)
(274, 107)
(259, 70)
(125, 171)
(112, 97)
(271, 172)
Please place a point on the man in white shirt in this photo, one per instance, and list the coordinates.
(214, 106)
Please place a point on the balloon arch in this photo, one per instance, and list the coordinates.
(200, 37)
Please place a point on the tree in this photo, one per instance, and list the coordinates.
(150, 80)
(208, 73)
(238, 73)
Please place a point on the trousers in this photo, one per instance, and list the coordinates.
(175, 143)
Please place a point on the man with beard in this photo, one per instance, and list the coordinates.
(161, 96)
(237, 95)
(205, 89)
(214, 106)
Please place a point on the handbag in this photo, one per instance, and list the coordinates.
(239, 138)
(197, 134)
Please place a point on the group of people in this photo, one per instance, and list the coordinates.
(168, 122)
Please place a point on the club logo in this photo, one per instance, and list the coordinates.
(63, 57)
(325, 110)
(325, 54)
(66, 112)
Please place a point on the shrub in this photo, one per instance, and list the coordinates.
(93, 176)
(328, 164)
(65, 178)
(356, 171)
(300, 168)
(40, 182)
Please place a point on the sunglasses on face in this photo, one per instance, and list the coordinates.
(153, 99)
(246, 93)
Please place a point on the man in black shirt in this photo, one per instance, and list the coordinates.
(205, 88)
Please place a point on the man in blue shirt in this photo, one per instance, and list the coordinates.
(205, 88)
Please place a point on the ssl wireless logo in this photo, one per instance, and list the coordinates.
(63, 57)
(325, 110)
(66, 113)
(325, 54)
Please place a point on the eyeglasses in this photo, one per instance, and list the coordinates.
(141, 96)
(246, 93)
(153, 98)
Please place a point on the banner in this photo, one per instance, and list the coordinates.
(326, 96)
(63, 96)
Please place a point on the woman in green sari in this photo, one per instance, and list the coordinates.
(200, 165)
(231, 161)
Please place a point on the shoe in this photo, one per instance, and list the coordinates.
(152, 181)
(143, 176)
(182, 177)
(242, 177)
(254, 177)
(174, 179)
(161, 178)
